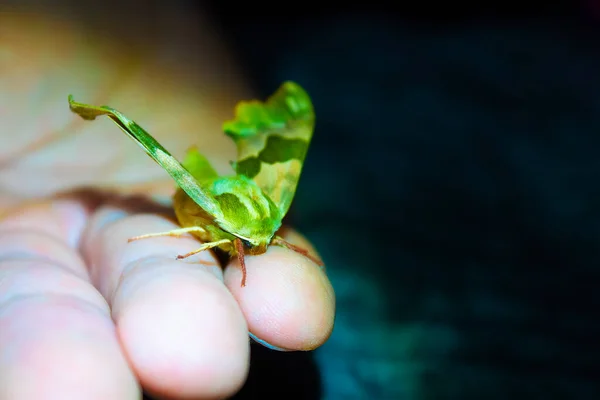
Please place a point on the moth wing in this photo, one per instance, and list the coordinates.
(184, 179)
(272, 140)
(199, 166)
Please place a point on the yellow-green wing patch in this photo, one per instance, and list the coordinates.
(199, 166)
(272, 139)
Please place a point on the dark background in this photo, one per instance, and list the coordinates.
(452, 188)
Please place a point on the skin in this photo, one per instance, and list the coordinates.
(84, 314)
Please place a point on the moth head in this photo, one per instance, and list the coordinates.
(246, 212)
(255, 247)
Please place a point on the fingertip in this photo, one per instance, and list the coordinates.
(288, 300)
(185, 338)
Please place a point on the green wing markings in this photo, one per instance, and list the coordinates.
(277, 150)
(249, 167)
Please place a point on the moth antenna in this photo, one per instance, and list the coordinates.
(280, 242)
(239, 247)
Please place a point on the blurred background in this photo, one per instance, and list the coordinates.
(451, 187)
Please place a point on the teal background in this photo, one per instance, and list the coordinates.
(452, 189)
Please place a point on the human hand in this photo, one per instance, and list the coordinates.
(84, 314)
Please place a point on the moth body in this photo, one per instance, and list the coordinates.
(245, 213)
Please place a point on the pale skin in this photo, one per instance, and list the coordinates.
(84, 314)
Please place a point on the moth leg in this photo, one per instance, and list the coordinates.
(205, 246)
(239, 248)
(174, 232)
(280, 242)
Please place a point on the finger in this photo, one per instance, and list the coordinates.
(288, 302)
(56, 335)
(181, 329)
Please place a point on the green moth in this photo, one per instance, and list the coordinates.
(239, 213)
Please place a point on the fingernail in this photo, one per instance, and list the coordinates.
(267, 345)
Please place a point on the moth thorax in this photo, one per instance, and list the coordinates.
(241, 192)
(256, 203)
(245, 211)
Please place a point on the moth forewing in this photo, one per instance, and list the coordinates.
(155, 150)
